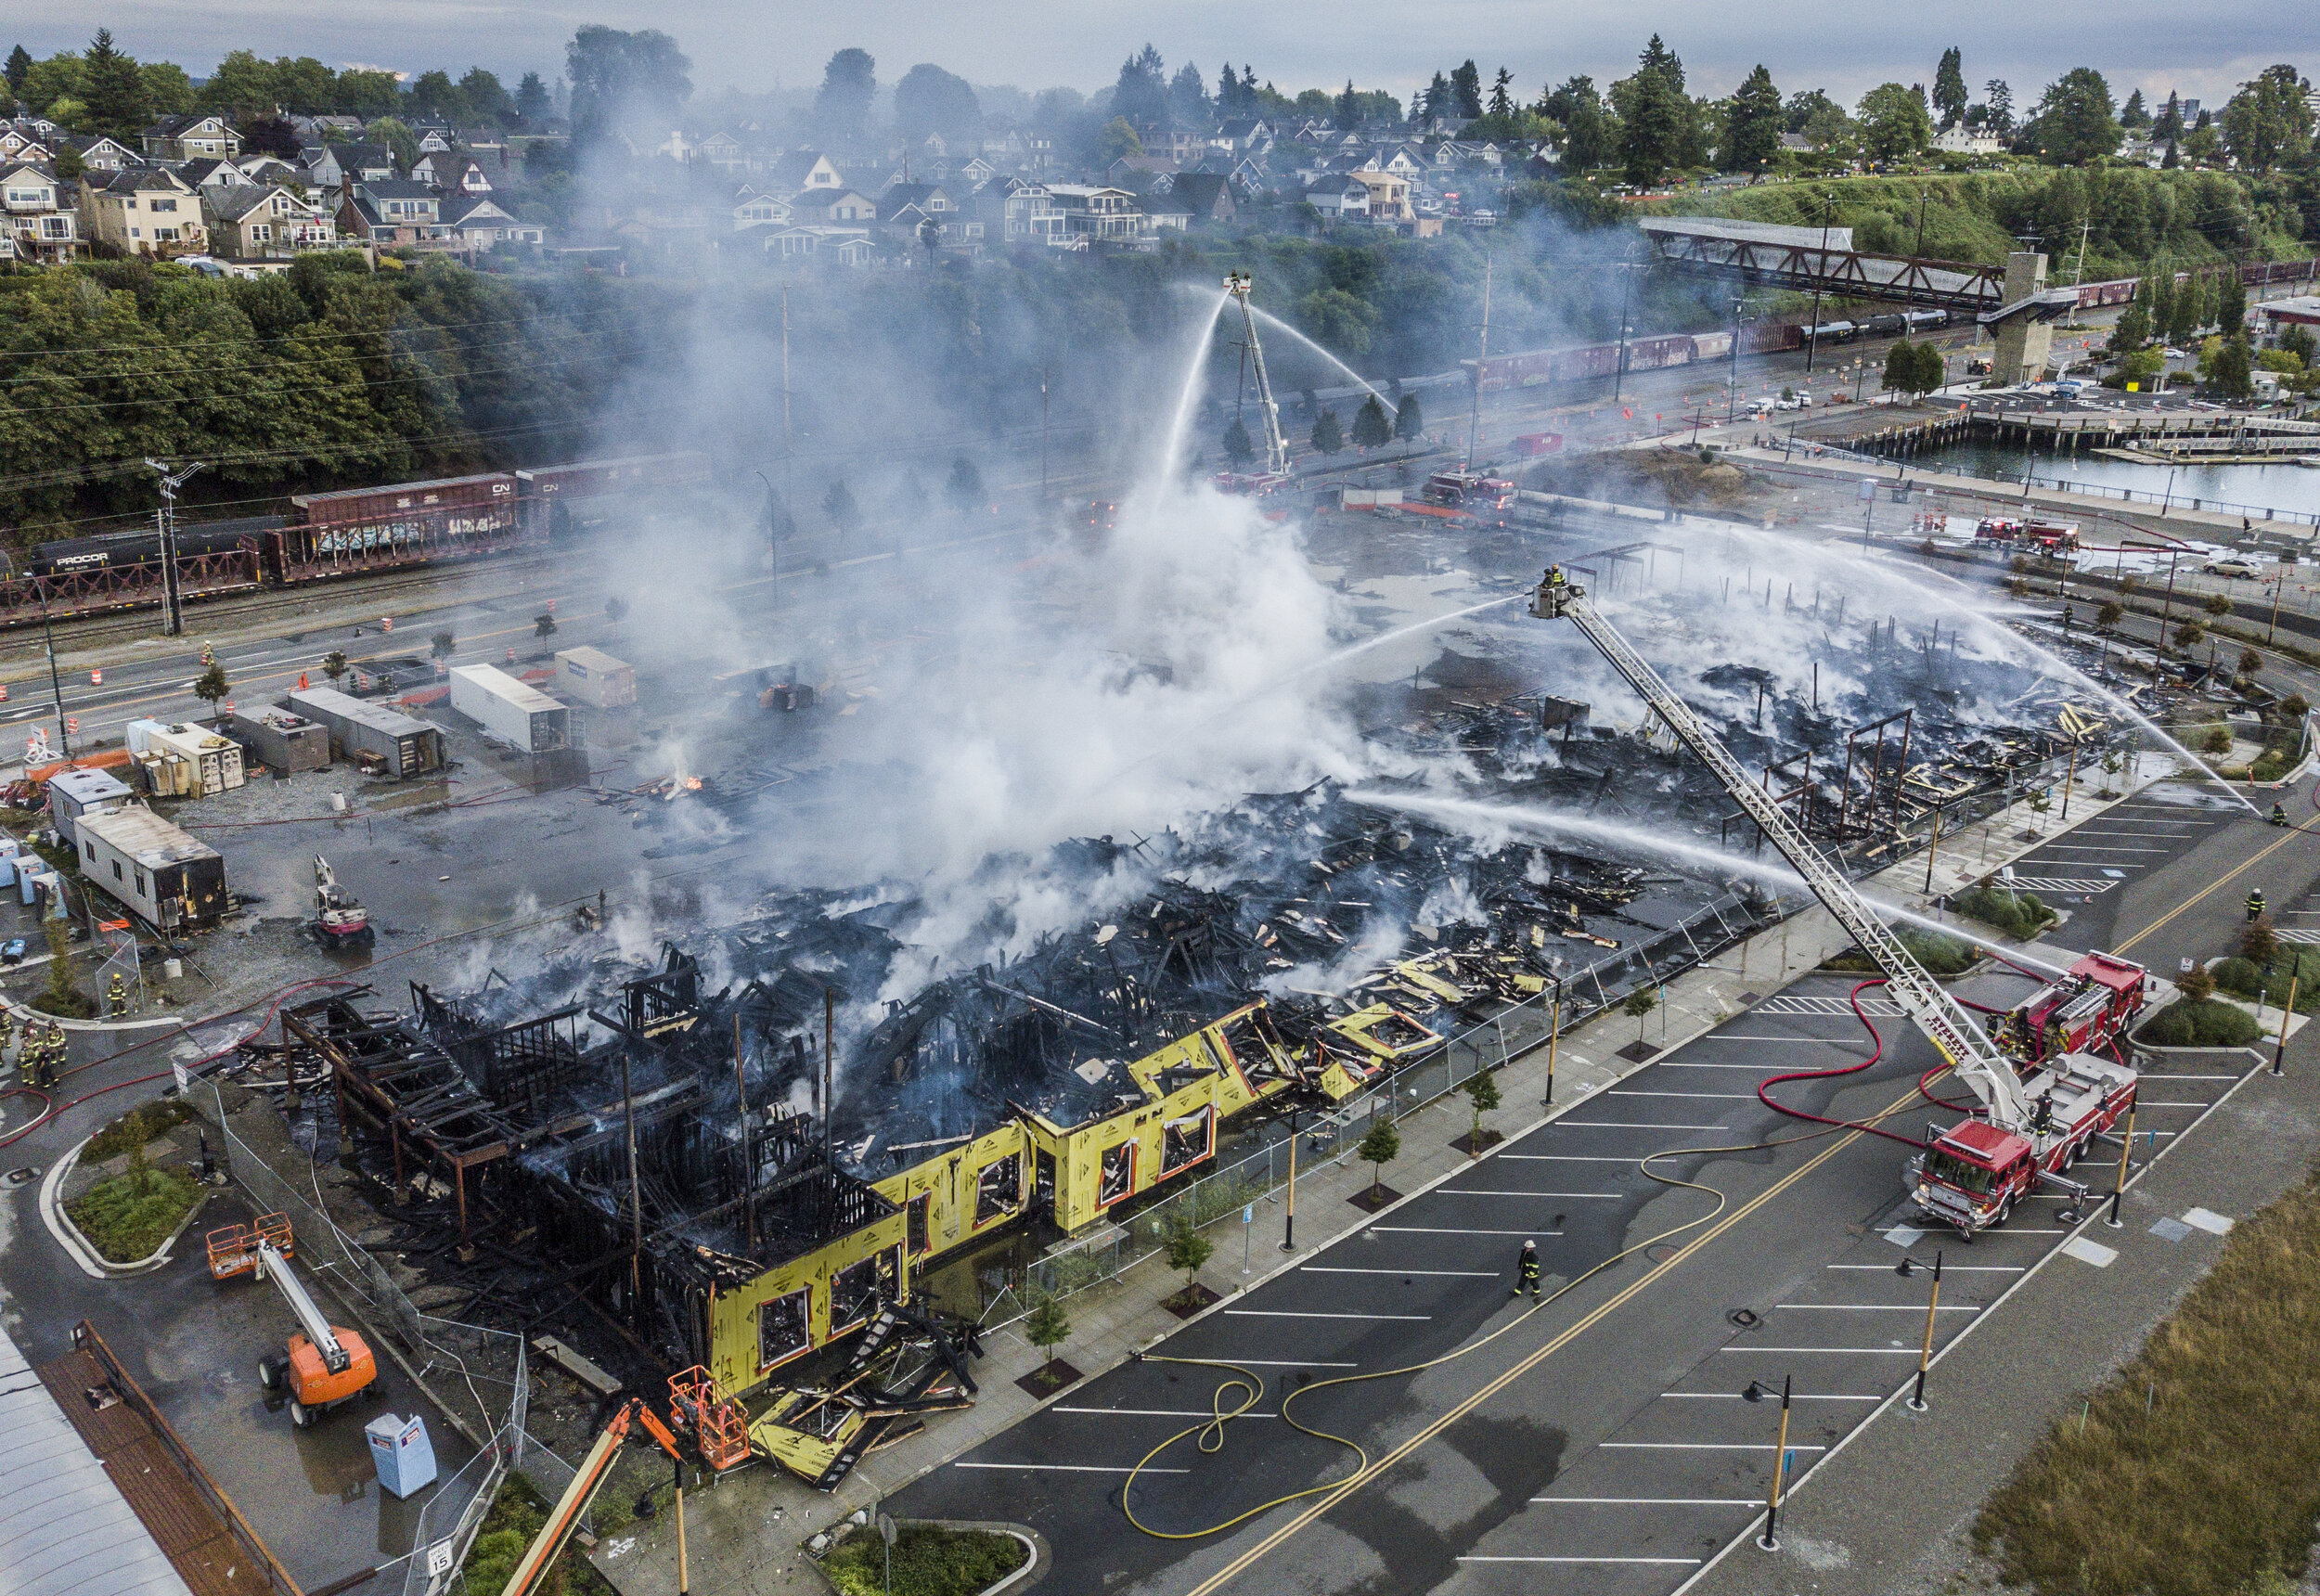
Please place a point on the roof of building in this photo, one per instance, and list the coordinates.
(502, 686)
(399, 188)
(144, 836)
(65, 1528)
(461, 207)
(323, 701)
(232, 204)
(88, 786)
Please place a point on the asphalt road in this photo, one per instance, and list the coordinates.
(1600, 1445)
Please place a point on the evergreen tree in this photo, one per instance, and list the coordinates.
(20, 68)
(1228, 92)
(2134, 116)
(1349, 108)
(1409, 418)
(2231, 303)
(2230, 374)
(2134, 327)
(1439, 98)
(1998, 108)
(1656, 116)
(1949, 87)
(1466, 91)
(1238, 448)
(532, 99)
(839, 506)
(1932, 369)
(1327, 437)
(2161, 280)
(1501, 102)
(2076, 121)
(1370, 428)
(1188, 96)
(1752, 125)
(2169, 127)
(211, 686)
(1048, 1327)
(2172, 160)
(115, 90)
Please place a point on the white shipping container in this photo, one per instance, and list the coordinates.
(510, 710)
(594, 677)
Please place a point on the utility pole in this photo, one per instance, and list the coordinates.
(1043, 377)
(55, 682)
(1474, 423)
(1732, 383)
(1618, 367)
(1917, 254)
(1812, 333)
(789, 448)
(172, 606)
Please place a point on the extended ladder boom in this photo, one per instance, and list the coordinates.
(1276, 446)
(1941, 1016)
(273, 1267)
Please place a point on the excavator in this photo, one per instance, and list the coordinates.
(2031, 1125)
(324, 1366)
(340, 919)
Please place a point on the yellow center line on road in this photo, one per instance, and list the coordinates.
(1242, 1563)
(2215, 886)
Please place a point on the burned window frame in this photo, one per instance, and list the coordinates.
(803, 1300)
(917, 1226)
(987, 1209)
(1206, 1117)
(885, 1275)
(1103, 1161)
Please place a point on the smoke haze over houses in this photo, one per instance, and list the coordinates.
(2136, 44)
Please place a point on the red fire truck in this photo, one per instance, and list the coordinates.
(2081, 1012)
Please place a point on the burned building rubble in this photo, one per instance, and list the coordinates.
(754, 1179)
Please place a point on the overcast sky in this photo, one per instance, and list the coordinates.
(2154, 45)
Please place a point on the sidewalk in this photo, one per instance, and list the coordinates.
(733, 1530)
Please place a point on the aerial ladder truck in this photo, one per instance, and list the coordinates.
(2031, 1127)
(324, 1365)
(1275, 472)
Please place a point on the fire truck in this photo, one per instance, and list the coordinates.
(2029, 1128)
(2048, 538)
(1469, 490)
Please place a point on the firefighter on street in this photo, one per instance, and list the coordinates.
(2255, 905)
(1526, 1271)
(8, 1030)
(117, 995)
(2279, 813)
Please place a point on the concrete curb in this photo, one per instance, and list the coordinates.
(92, 1263)
(25, 1013)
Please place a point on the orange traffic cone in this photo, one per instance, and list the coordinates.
(302, 681)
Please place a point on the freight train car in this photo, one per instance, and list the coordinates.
(1580, 363)
(116, 550)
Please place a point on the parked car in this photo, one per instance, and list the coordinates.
(12, 951)
(2228, 567)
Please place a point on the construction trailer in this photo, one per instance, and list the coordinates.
(510, 711)
(281, 738)
(72, 793)
(211, 762)
(595, 678)
(169, 879)
(382, 740)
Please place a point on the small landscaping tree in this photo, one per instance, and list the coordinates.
(60, 995)
(1327, 437)
(2188, 635)
(1188, 1248)
(1370, 428)
(1409, 418)
(2196, 983)
(334, 665)
(543, 626)
(839, 506)
(211, 686)
(1639, 1003)
(2217, 604)
(2217, 740)
(2250, 661)
(965, 487)
(2259, 941)
(615, 610)
(2113, 763)
(1482, 1091)
(2039, 802)
(2109, 615)
(1048, 1327)
(2294, 707)
(1378, 1149)
(441, 645)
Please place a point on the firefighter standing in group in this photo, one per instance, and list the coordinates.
(1526, 1271)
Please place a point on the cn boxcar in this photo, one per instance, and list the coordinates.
(401, 499)
(588, 478)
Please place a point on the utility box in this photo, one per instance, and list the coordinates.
(215, 759)
(510, 711)
(169, 879)
(594, 677)
(282, 739)
(72, 793)
(404, 1457)
(371, 734)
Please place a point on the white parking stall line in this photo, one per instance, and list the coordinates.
(1656, 1562)
(1155, 1412)
(1654, 1501)
(2098, 848)
(1632, 1125)
(1446, 1230)
(1287, 1313)
(1870, 1308)
(1568, 1157)
(1735, 1396)
(1477, 1192)
(2143, 1102)
(1070, 1468)
(1342, 1269)
(1285, 1363)
(1702, 1445)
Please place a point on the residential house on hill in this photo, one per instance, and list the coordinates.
(143, 211)
(38, 218)
(102, 152)
(191, 137)
(1094, 214)
(1339, 199)
(479, 224)
(250, 223)
(1205, 196)
(393, 213)
(210, 172)
(803, 169)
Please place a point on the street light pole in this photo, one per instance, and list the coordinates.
(55, 682)
(1906, 1268)
(1618, 368)
(1732, 383)
(1473, 422)
(1812, 333)
(1756, 1392)
(173, 607)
